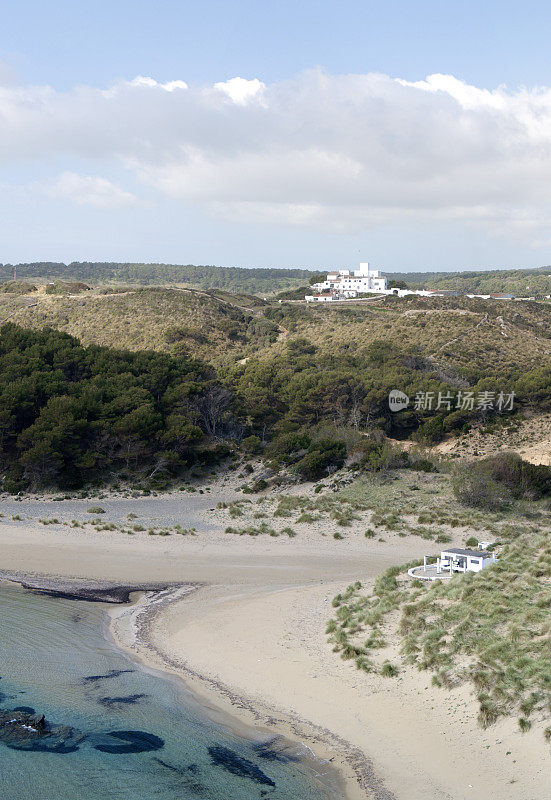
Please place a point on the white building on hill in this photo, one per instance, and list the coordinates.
(349, 283)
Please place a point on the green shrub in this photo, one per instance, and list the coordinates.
(430, 432)
(380, 455)
(489, 710)
(520, 477)
(477, 488)
(494, 482)
(421, 465)
(252, 445)
(322, 457)
(289, 447)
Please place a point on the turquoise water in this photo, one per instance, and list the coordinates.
(55, 659)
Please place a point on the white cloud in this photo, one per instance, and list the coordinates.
(241, 90)
(344, 152)
(88, 190)
(169, 86)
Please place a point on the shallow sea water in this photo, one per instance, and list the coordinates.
(55, 659)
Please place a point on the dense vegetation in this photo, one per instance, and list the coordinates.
(518, 282)
(233, 279)
(97, 410)
(306, 387)
(70, 414)
(323, 374)
(292, 283)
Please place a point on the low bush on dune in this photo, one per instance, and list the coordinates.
(493, 483)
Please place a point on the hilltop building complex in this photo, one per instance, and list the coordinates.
(349, 283)
(346, 284)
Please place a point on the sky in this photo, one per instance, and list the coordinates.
(414, 135)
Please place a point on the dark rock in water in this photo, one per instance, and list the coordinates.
(137, 742)
(237, 765)
(104, 593)
(113, 673)
(25, 709)
(20, 730)
(119, 702)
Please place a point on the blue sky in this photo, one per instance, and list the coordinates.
(484, 43)
(319, 162)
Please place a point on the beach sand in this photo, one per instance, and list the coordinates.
(249, 640)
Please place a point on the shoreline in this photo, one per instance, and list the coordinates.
(130, 612)
(130, 628)
(256, 627)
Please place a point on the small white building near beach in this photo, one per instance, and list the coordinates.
(458, 560)
(452, 561)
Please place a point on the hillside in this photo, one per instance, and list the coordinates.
(233, 279)
(475, 337)
(307, 382)
(518, 282)
(214, 325)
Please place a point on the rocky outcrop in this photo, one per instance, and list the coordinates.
(21, 730)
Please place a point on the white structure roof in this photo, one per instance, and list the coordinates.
(458, 551)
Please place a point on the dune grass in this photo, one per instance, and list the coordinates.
(491, 629)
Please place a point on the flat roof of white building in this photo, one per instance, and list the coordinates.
(458, 551)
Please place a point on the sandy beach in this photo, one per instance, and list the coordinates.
(246, 633)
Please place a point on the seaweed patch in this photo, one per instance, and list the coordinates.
(113, 673)
(135, 742)
(267, 751)
(237, 765)
(120, 702)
